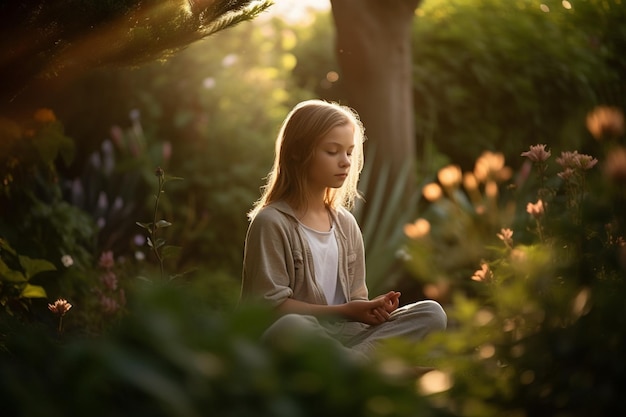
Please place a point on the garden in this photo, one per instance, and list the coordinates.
(128, 168)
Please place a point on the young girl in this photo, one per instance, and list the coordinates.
(304, 253)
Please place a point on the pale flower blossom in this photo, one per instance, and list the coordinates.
(506, 235)
(67, 261)
(537, 153)
(536, 210)
(566, 159)
(586, 161)
(576, 160)
(483, 274)
(60, 307)
(567, 174)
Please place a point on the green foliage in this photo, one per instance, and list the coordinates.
(15, 273)
(550, 247)
(177, 356)
(382, 237)
(155, 241)
(499, 75)
(317, 69)
(33, 215)
(210, 115)
(45, 241)
(29, 148)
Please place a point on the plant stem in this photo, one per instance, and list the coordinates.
(154, 227)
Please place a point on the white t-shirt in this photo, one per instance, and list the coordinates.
(326, 262)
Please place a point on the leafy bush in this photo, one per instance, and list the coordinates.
(550, 245)
(177, 356)
(16, 271)
(493, 75)
(41, 233)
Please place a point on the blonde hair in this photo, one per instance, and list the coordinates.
(303, 128)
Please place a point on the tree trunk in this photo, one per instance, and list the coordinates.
(374, 54)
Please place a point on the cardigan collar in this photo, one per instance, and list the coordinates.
(285, 208)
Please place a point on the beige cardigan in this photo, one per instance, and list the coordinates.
(278, 263)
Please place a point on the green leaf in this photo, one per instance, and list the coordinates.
(146, 226)
(163, 223)
(33, 291)
(33, 267)
(170, 251)
(158, 243)
(10, 275)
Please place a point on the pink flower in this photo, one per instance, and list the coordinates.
(537, 153)
(575, 160)
(109, 305)
(536, 210)
(106, 260)
(109, 279)
(585, 161)
(566, 160)
(566, 174)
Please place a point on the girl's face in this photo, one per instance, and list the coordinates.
(332, 159)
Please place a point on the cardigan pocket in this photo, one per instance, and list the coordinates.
(351, 265)
(298, 265)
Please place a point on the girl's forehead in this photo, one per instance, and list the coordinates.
(342, 135)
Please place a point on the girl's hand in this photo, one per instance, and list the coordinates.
(371, 312)
(391, 300)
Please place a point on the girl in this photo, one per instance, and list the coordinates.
(304, 251)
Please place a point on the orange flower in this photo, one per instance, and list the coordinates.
(432, 192)
(483, 274)
(45, 116)
(605, 122)
(417, 229)
(615, 165)
(490, 165)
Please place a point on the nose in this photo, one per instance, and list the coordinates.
(345, 160)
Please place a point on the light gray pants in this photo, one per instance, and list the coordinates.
(412, 321)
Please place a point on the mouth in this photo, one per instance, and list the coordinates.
(342, 176)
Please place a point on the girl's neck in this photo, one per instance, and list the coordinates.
(316, 216)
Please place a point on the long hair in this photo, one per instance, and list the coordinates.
(303, 128)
